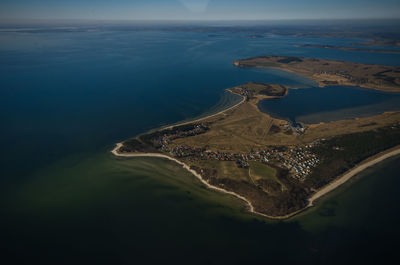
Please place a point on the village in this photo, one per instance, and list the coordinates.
(299, 160)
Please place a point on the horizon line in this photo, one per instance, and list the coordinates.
(195, 20)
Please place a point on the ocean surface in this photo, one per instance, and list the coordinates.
(66, 97)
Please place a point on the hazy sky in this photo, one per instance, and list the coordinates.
(198, 9)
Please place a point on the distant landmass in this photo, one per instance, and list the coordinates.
(385, 34)
(344, 48)
(329, 72)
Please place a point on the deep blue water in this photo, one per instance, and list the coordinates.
(67, 97)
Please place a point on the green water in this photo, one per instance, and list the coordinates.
(102, 209)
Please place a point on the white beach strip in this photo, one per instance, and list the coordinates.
(351, 173)
(209, 116)
(115, 152)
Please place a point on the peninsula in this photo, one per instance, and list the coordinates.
(329, 72)
(277, 168)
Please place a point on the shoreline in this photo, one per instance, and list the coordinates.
(208, 116)
(371, 161)
(185, 166)
(339, 181)
(199, 177)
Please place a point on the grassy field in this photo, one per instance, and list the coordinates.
(265, 178)
(240, 130)
(229, 169)
(259, 171)
(246, 127)
(225, 169)
(258, 175)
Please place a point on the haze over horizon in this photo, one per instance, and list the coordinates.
(199, 9)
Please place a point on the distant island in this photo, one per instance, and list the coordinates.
(345, 48)
(329, 72)
(277, 167)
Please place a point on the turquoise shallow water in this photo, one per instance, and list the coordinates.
(67, 97)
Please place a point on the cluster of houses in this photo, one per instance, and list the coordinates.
(395, 126)
(245, 92)
(191, 153)
(297, 127)
(182, 151)
(299, 160)
(163, 141)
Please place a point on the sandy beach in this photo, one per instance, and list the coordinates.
(116, 153)
(354, 171)
(209, 116)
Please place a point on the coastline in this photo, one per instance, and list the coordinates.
(371, 161)
(208, 116)
(185, 166)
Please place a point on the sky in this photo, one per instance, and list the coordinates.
(198, 9)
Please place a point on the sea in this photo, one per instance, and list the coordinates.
(67, 95)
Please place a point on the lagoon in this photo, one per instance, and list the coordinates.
(325, 104)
